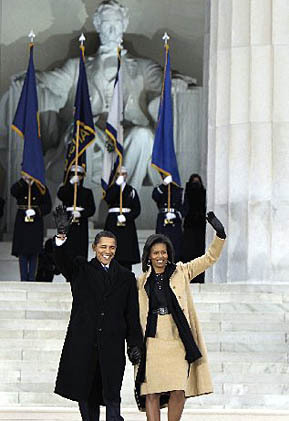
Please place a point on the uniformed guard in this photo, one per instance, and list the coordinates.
(124, 208)
(85, 207)
(170, 206)
(28, 228)
(104, 315)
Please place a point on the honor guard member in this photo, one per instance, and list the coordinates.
(104, 315)
(121, 219)
(28, 228)
(169, 219)
(85, 207)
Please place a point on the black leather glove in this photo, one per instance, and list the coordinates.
(216, 224)
(62, 220)
(134, 354)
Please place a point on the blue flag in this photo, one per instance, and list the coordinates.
(83, 133)
(113, 154)
(163, 155)
(26, 124)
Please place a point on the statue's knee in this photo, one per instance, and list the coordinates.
(141, 135)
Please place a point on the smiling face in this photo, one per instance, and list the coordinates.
(159, 257)
(105, 250)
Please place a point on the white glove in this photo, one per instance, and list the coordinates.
(120, 180)
(77, 208)
(170, 215)
(76, 213)
(74, 179)
(30, 212)
(167, 180)
(121, 218)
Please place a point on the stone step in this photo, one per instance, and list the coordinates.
(233, 288)
(71, 414)
(246, 331)
(231, 368)
(215, 401)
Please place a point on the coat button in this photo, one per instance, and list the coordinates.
(100, 330)
(174, 287)
(180, 297)
(102, 314)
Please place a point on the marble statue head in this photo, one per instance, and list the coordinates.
(110, 21)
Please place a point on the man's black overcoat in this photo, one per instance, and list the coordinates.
(127, 242)
(78, 238)
(104, 314)
(28, 236)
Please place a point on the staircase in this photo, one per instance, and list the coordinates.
(247, 334)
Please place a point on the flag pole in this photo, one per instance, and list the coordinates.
(81, 39)
(119, 48)
(166, 39)
(31, 35)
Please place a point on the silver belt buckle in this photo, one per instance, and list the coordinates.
(162, 311)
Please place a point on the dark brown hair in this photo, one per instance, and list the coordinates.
(151, 241)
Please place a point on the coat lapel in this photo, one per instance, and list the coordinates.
(99, 283)
(114, 277)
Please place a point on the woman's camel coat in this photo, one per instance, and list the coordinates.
(199, 381)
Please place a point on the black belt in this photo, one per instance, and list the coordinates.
(25, 207)
(161, 311)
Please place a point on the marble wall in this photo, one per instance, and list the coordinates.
(248, 130)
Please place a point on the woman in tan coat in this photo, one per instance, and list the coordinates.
(174, 365)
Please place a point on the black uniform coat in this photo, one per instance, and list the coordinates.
(127, 242)
(78, 234)
(104, 314)
(28, 236)
(174, 230)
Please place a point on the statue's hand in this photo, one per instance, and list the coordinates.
(18, 80)
(180, 83)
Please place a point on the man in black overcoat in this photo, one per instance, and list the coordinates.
(123, 224)
(85, 208)
(28, 236)
(104, 315)
(169, 220)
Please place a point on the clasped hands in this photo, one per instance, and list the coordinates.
(30, 212)
(75, 211)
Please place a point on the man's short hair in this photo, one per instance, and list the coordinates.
(106, 234)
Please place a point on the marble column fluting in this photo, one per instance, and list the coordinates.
(248, 137)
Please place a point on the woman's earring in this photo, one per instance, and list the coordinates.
(149, 262)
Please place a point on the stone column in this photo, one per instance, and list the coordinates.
(248, 137)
